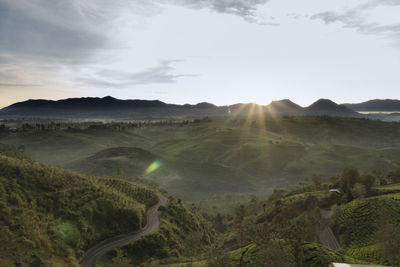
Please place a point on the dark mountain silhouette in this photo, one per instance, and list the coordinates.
(85, 103)
(284, 107)
(204, 105)
(376, 105)
(106, 107)
(112, 108)
(330, 108)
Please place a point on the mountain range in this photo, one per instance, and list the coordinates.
(112, 108)
(377, 105)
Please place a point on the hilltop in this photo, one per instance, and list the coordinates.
(284, 107)
(328, 107)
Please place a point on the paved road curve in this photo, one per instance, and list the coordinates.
(153, 223)
(325, 233)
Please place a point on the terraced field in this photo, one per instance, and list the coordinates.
(356, 223)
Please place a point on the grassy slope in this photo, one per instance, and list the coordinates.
(357, 222)
(228, 156)
(129, 161)
(179, 227)
(296, 207)
(49, 216)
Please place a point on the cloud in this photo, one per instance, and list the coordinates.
(17, 85)
(357, 18)
(49, 43)
(74, 30)
(46, 29)
(246, 9)
(9, 75)
(41, 36)
(243, 8)
(158, 74)
(331, 17)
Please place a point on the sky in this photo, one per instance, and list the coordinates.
(190, 51)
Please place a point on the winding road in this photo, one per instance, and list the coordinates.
(325, 233)
(153, 224)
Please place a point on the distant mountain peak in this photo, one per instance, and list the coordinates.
(113, 108)
(324, 101)
(284, 107)
(388, 105)
(109, 98)
(205, 105)
(284, 102)
(328, 107)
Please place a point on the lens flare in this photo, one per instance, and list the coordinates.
(154, 166)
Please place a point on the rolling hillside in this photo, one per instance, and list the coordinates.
(117, 161)
(50, 216)
(282, 230)
(209, 159)
(360, 225)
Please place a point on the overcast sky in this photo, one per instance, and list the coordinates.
(189, 51)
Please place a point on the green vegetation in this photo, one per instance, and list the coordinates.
(362, 223)
(50, 216)
(281, 230)
(183, 233)
(254, 191)
(210, 159)
(119, 162)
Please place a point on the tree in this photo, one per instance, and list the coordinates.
(349, 177)
(272, 251)
(217, 257)
(219, 223)
(368, 181)
(240, 213)
(120, 260)
(388, 237)
(394, 176)
(317, 181)
(295, 235)
(358, 190)
(193, 243)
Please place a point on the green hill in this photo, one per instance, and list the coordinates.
(359, 224)
(282, 230)
(230, 155)
(183, 233)
(116, 161)
(50, 216)
(184, 179)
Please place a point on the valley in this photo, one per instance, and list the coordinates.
(236, 157)
(241, 189)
